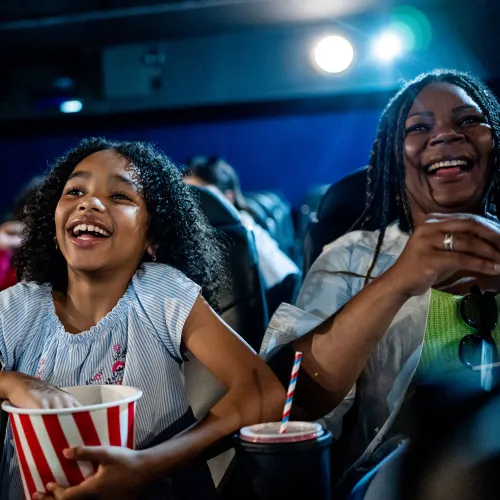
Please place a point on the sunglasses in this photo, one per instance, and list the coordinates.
(480, 311)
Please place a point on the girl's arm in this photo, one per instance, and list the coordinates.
(253, 395)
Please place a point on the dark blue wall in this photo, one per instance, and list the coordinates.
(289, 153)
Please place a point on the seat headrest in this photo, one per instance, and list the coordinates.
(344, 202)
(339, 211)
(216, 207)
(348, 192)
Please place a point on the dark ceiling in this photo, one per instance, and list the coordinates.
(35, 29)
(71, 34)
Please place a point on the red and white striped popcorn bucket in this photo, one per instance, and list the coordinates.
(40, 436)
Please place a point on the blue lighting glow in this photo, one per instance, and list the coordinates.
(73, 106)
(388, 46)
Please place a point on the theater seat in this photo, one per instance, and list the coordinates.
(278, 210)
(243, 302)
(260, 216)
(339, 210)
(243, 309)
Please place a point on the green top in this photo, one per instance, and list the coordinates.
(444, 330)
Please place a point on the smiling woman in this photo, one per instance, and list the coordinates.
(448, 149)
(372, 297)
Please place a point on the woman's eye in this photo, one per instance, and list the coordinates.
(74, 192)
(471, 120)
(120, 196)
(418, 127)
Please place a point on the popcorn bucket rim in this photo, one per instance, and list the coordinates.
(9, 408)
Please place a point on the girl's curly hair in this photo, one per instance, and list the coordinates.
(185, 238)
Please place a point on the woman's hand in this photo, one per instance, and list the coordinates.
(121, 473)
(24, 391)
(425, 262)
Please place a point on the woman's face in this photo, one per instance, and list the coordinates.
(448, 151)
(101, 218)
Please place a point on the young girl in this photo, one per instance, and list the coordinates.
(115, 255)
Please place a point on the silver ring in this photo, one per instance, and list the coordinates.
(448, 242)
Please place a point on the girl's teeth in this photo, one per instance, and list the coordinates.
(90, 228)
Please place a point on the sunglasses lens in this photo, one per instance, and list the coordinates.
(479, 311)
(475, 350)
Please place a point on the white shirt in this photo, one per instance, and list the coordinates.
(382, 385)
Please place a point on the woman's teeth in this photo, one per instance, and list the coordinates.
(446, 164)
(84, 228)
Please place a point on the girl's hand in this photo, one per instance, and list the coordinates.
(121, 473)
(24, 391)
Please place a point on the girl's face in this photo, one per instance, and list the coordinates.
(101, 218)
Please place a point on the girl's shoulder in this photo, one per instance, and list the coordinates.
(23, 308)
(163, 280)
(164, 296)
(24, 297)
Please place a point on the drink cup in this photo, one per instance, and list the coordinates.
(106, 418)
(293, 465)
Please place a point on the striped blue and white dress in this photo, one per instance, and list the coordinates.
(138, 343)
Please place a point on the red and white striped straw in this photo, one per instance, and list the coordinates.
(291, 392)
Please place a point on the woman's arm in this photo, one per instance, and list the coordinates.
(335, 353)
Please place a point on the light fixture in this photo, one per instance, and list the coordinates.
(333, 54)
(388, 46)
(73, 106)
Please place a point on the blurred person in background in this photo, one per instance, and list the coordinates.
(11, 230)
(380, 308)
(10, 240)
(274, 264)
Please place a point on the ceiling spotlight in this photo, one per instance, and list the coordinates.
(388, 46)
(333, 54)
(73, 106)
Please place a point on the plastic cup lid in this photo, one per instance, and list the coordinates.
(269, 432)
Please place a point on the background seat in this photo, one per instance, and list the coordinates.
(243, 302)
(339, 210)
(243, 308)
(257, 211)
(279, 210)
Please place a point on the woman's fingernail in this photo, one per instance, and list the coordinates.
(496, 268)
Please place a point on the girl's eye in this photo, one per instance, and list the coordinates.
(74, 192)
